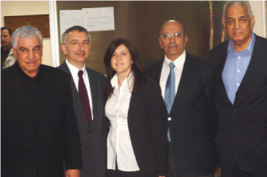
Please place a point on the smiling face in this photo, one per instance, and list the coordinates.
(77, 48)
(173, 46)
(121, 61)
(238, 25)
(29, 55)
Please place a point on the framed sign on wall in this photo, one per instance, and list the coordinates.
(39, 21)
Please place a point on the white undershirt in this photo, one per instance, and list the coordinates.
(74, 72)
(165, 71)
(119, 145)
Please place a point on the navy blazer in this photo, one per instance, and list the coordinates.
(192, 125)
(242, 129)
(31, 149)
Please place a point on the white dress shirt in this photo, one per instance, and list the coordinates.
(10, 60)
(119, 145)
(74, 72)
(165, 71)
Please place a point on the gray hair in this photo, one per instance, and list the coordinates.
(237, 3)
(26, 32)
(74, 28)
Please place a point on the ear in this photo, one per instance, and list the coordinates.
(64, 49)
(223, 22)
(14, 52)
(42, 50)
(185, 41)
(252, 21)
(160, 43)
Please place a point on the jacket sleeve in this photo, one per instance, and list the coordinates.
(71, 139)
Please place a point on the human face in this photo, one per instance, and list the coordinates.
(29, 55)
(77, 48)
(121, 61)
(6, 39)
(238, 25)
(173, 47)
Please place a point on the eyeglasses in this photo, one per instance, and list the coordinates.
(175, 35)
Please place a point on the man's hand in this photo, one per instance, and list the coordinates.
(73, 173)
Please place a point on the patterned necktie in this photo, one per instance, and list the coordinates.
(170, 92)
(84, 98)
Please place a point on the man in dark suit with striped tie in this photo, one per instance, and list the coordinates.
(88, 97)
(185, 81)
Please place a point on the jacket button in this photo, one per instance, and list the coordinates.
(169, 118)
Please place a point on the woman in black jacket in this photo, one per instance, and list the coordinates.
(137, 143)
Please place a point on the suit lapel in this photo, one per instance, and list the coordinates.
(221, 59)
(256, 64)
(158, 71)
(75, 97)
(184, 81)
(93, 88)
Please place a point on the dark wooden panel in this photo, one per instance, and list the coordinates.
(140, 22)
(39, 21)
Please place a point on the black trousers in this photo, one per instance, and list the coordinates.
(118, 173)
(237, 172)
(172, 171)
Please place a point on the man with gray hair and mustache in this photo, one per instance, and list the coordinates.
(240, 67)
(38, 125)
(186, 84)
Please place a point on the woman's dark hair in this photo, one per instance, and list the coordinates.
(137, 69)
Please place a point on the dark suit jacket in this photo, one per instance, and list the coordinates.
(242, 131)
(192, 117)
(148, 129)
(92, 138)
(28, 148)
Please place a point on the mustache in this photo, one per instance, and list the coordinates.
(172, 45)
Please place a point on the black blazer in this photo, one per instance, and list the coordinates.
(192, 124)
(148, 128)
(28, 148)
(92, 138)
(242, 130)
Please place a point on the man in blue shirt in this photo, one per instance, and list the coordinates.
(240, 68)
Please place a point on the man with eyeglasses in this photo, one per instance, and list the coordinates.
(185, 81)
(240, 67)
(87, 88)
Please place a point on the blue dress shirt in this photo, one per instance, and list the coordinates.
(235, 67)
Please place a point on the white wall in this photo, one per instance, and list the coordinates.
(16, 8)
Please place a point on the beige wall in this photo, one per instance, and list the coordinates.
(15, 8)
(257, 9)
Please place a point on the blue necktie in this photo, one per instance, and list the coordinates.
(170, 92)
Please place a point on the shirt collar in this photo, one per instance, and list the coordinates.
(249, 48)
(177, 61)
(128, 81)
(74, 71)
